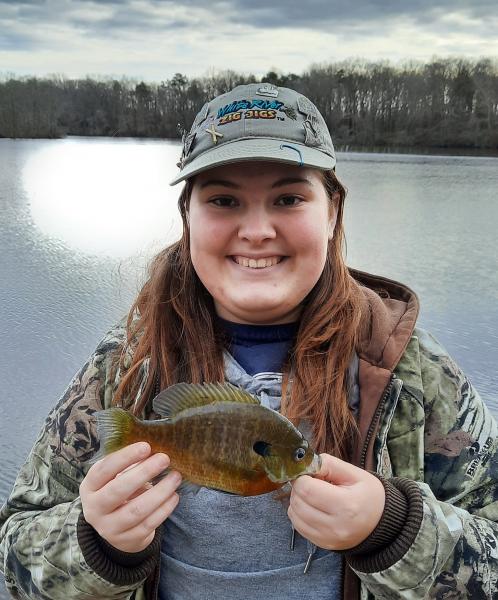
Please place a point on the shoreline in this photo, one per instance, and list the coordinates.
(421, 150)
(458, 151)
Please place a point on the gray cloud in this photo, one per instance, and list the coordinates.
(106, 17)
(21, 3)
(124, 22)
(13, 41)
(329, 15)
(324, 15)
(158, 36)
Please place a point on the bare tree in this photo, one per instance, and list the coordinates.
(443, 103)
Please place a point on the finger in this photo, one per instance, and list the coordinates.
(128, 468)
(143, 506)
(146, 528)
(119, 490)
(162, 512)
(309, 512)
(302, 526)
(105, 470)
(140, 491)
(144, 488)
(334, 470)
(321, 495)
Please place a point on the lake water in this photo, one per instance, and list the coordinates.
(80, 218)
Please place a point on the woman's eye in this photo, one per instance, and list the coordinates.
(289, 200)
(223, 201)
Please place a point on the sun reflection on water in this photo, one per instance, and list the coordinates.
(109, 198)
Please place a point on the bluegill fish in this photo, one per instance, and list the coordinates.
(216, 436)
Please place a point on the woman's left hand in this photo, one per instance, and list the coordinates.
(337, 508)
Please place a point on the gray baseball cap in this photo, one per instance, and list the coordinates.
(258, 121)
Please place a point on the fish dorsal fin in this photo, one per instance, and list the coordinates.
(182, 396)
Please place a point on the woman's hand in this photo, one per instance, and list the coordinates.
(339, 507)
(119, 502)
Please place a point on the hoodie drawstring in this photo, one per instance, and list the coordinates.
(309, 546)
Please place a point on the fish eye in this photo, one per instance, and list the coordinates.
(299, 454)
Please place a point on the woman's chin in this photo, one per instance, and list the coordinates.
(258, 311)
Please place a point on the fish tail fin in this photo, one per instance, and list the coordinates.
(115, 429)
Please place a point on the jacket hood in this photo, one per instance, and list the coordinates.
(390, 312)
(389, 315)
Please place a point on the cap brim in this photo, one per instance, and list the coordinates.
(257, 149)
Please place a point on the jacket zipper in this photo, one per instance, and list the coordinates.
(375, 419)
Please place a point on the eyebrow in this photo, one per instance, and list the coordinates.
(233, 185)
(222, 182)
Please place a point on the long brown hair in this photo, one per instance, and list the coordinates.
(172, 324)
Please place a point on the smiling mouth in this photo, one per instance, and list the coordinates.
(257, 263)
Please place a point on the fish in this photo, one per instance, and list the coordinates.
(217, 436)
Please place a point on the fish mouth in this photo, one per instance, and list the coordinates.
(313, 468)
(257, 263)
(315, 465)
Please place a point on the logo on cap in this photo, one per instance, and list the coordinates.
(268, 89)
(214, 134)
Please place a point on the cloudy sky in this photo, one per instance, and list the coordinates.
(153, 39)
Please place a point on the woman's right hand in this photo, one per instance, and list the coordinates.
(118, 502)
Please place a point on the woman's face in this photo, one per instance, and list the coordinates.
(258, 238)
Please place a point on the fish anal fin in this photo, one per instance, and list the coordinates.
(185, 487)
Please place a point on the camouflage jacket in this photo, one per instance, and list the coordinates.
(428, 427)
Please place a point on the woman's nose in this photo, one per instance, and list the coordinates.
(256, 226)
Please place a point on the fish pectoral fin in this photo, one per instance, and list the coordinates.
(182, 396)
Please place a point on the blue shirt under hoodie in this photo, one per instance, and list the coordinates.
(218, 546)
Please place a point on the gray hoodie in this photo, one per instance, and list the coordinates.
(226, 547)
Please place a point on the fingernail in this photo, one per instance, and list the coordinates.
(176, 477)
(143, 449)
(163, 460)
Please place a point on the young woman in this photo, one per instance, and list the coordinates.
(256, 293)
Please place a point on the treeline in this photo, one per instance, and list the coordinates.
(445, 103)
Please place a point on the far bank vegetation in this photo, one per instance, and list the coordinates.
(450, 103)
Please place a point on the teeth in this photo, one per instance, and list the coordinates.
(259, 263)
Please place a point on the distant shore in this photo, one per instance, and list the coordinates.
(409, 150)
(421, 150)
(448, 105)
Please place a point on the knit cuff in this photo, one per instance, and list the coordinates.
(113, 565)
(396, 530)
